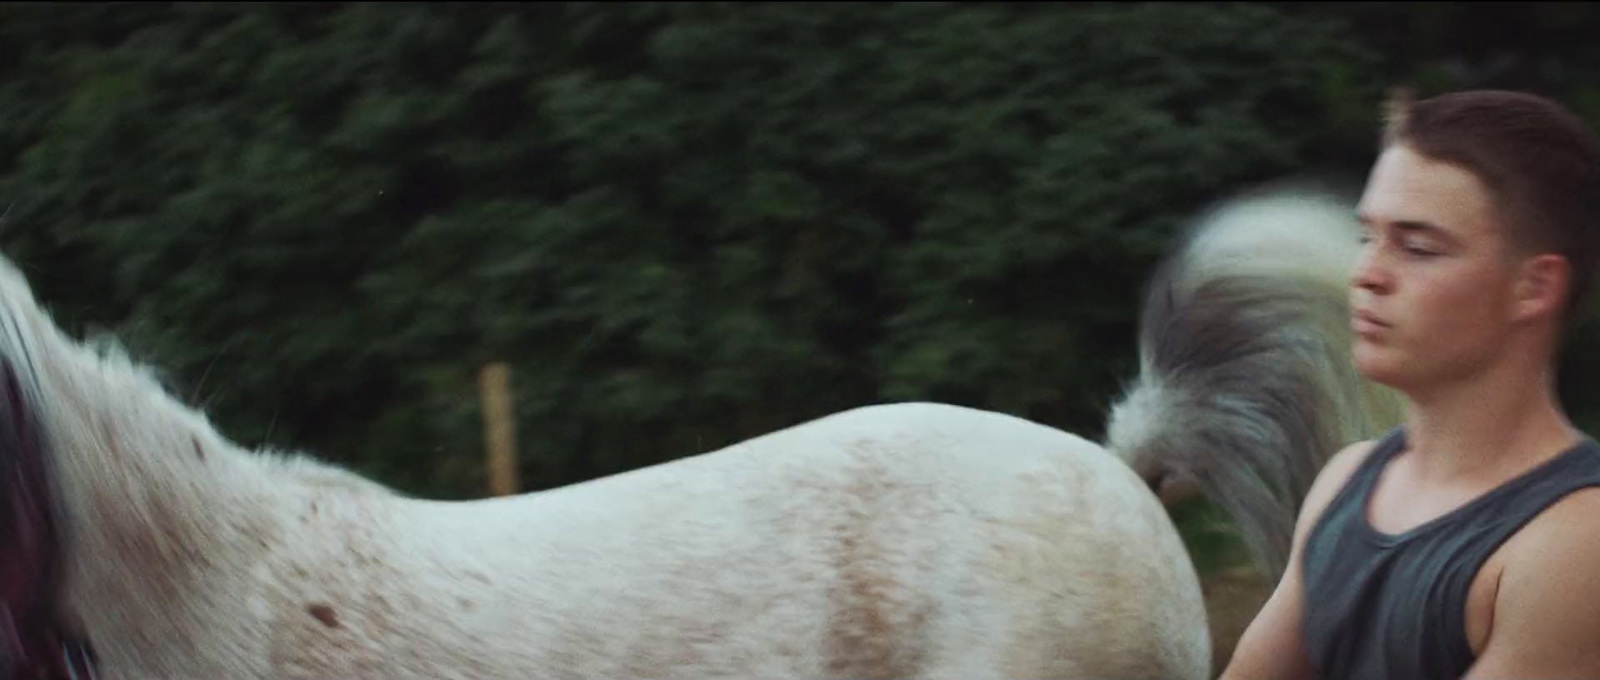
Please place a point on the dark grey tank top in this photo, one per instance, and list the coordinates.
(1393, 606)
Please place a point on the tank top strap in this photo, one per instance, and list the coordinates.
(1359, 486)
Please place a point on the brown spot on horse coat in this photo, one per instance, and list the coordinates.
(199, 451)
(325, 614)
(872, 627)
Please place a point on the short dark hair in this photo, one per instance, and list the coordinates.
(1540, 161)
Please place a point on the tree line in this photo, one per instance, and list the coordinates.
(681, 224)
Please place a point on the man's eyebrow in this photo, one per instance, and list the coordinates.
(1415, 225)
(1408, 225)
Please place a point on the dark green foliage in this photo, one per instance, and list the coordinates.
(683, 224)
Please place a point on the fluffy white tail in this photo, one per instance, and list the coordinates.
(1245, 386)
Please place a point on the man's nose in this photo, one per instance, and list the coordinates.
(1371, 270)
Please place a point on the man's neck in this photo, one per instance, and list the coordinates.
(1492, 426)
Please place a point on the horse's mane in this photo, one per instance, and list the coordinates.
(100, 371)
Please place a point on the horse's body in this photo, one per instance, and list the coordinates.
(893, 541)
(899, 541)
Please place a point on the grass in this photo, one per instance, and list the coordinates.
(1209, 535)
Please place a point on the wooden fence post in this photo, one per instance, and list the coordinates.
(499, 429)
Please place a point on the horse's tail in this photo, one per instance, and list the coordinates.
(1245, 386)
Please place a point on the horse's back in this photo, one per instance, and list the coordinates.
(906, 540)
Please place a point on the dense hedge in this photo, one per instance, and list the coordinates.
(681, 224)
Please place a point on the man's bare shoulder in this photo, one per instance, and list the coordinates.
(1343, 463)
(1544, 622)
(1565, 530)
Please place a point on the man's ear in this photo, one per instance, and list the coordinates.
(1542, 286)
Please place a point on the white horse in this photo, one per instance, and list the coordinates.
(912, 540)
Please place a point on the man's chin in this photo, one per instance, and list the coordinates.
(1380, 368)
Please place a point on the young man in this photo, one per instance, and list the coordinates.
(1465, 544)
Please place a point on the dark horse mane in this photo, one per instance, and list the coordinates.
(32, 644)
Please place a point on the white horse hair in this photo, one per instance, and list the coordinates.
(1245, 386)
(892, 541)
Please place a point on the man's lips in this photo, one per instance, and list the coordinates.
(1362, 321)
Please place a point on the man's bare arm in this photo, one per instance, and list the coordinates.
(1546, 620)
(1273, 646)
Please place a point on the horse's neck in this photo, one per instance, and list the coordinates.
(176, 539)
(160, 525)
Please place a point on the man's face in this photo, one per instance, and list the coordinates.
(1431, 298)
